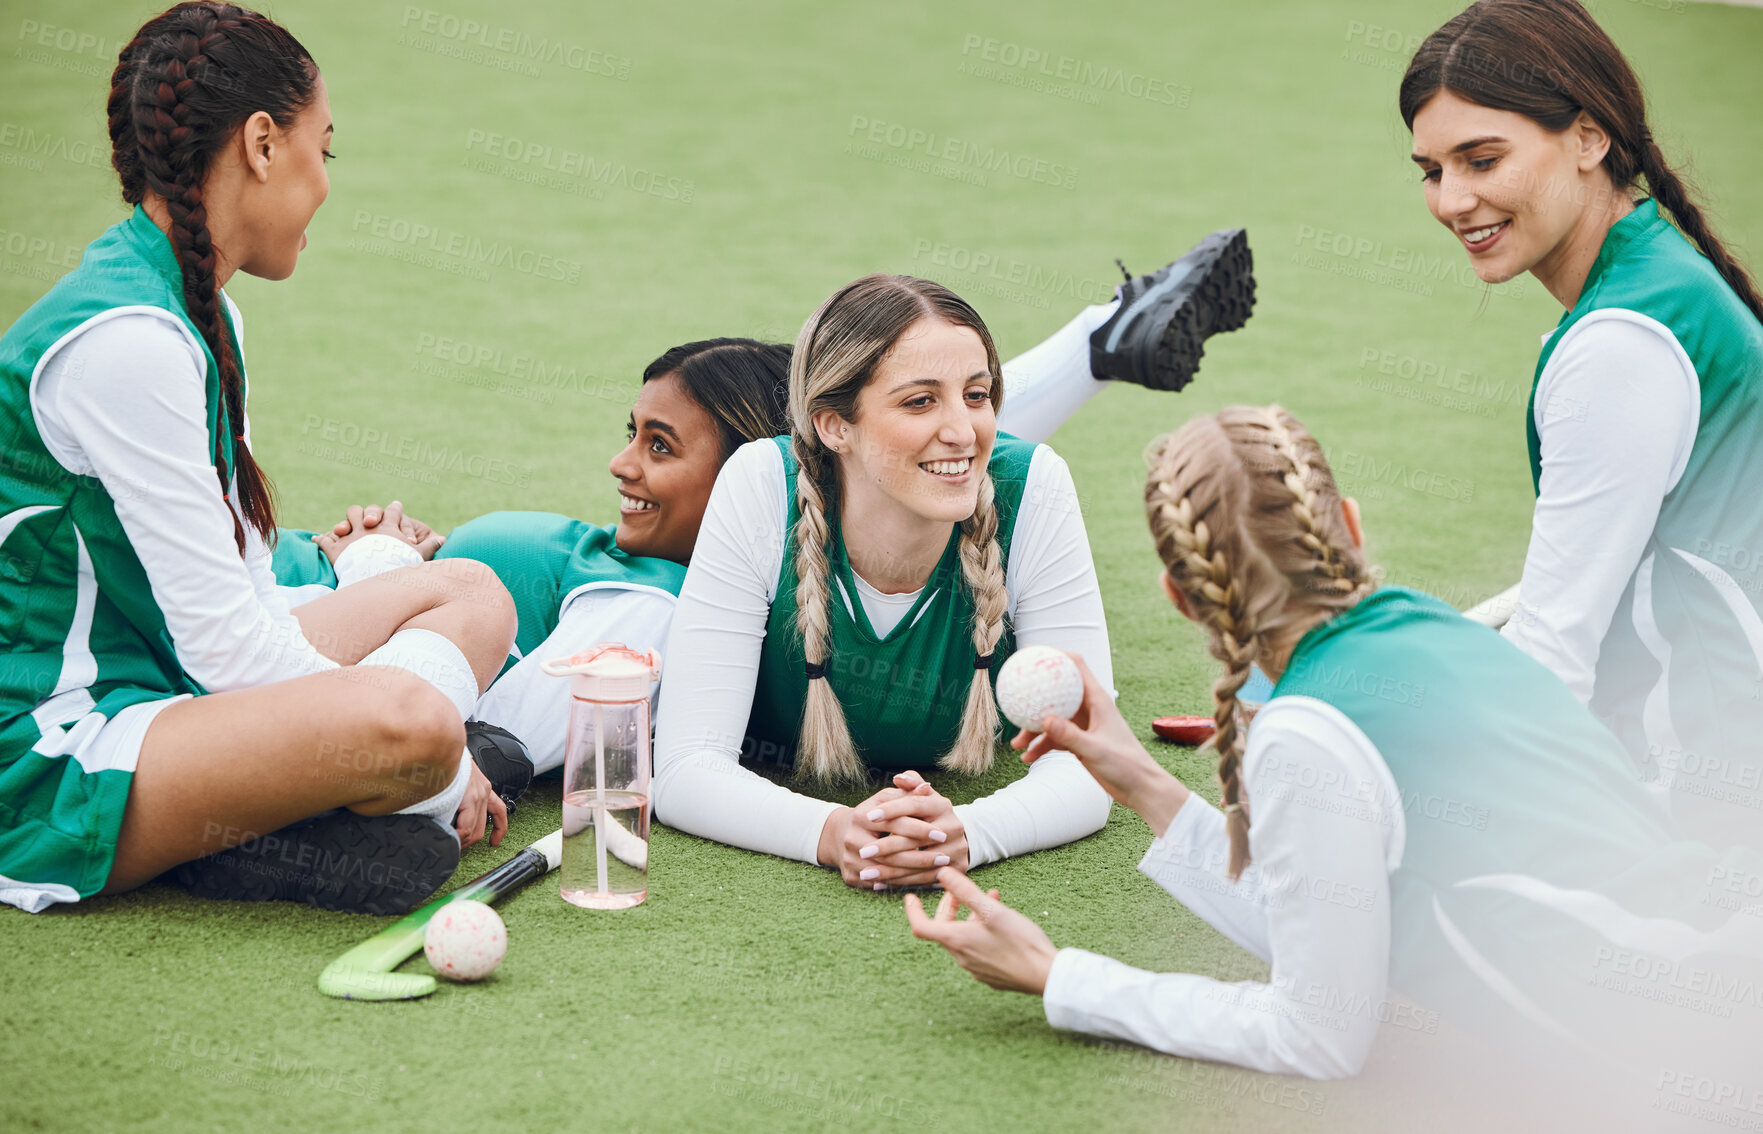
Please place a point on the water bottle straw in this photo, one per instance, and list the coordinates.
(600, 817)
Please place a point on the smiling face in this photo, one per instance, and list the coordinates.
(1516, 195)
(923, 431)
(284, 182)
(666, 471)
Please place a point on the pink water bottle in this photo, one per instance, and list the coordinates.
(606, 769)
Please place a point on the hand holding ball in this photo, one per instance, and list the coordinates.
(1037, 680)
(465, 940)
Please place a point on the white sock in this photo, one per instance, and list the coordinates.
(1046, 384)
(435, 659)
(442, 806)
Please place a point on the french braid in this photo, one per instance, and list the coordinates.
(182, 86)
(1245, 516)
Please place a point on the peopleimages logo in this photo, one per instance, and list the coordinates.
(463, 249)
(932, 146)
(519, 49)
(1067, 69)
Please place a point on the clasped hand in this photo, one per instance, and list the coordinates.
(361, 521)
(900, 836)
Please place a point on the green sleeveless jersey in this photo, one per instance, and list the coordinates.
(541, 557)
(903, 693)
(1502, 774)
(1680, 671)
(82, 633)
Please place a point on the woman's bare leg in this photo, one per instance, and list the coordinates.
(221, 769)
(459, 599)
(218, 770)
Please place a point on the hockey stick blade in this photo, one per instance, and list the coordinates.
(365, 972)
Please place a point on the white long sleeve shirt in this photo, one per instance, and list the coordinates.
(713, 652)
(1314, 903)
(1617, 409)
(124, 401)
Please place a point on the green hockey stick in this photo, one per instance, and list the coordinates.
(365, 972)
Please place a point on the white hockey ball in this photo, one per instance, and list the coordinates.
(465, 940)
(1037, 680)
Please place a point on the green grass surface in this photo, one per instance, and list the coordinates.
(752, 993)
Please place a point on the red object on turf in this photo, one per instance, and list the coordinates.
(1183, 730)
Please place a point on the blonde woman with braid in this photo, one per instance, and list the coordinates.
(575, 583)
(1420, 808)
(853, 589)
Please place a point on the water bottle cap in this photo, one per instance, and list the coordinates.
(610, 671)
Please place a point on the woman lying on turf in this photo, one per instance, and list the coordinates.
(575, 584)
(856, 584)
(1432, 810)
(160, 702)
(1641, 586)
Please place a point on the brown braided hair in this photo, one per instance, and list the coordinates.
(181, 89)
(1247, 520)
(835, 355)
(1549, 60)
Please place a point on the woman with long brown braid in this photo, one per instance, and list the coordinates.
(1420, 807)
(161, 703)
(1640, 587)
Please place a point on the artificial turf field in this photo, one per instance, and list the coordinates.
(706, 170)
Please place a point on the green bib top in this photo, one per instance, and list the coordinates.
(1501, 772)
(903, 694)
(541, 557)
(1680, 668)
(81, 631)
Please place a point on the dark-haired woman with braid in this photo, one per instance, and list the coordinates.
(1643, 585)
(1420, 808)
(160, 702)
(576, 583)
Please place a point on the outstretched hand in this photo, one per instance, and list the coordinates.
(1109, 750)
(1000, 947)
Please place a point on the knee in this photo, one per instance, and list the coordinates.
(419, 730)
(475, 591)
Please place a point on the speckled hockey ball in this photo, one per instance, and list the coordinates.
(465, 940)
(1037, 680)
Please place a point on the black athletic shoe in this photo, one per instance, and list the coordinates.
(1157, 336)
(502, 758)
(380, 864)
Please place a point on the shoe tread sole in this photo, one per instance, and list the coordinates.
(331, 863)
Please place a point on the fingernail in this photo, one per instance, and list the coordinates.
(875, 816)
(868, 873)
(937, 836)
(869, 852)
(881, 885)
(942, 860)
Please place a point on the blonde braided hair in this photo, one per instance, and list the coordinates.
(982, 569)
(836, 353)
(1247, 519)
(827, 752)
